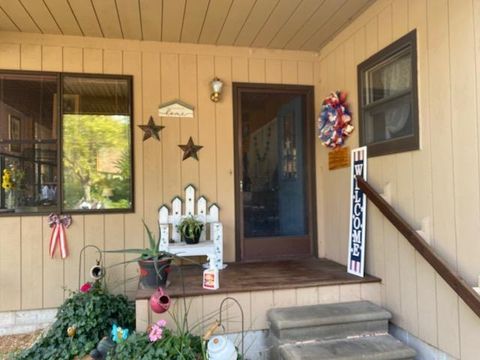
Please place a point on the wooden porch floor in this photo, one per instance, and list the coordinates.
(240, 277)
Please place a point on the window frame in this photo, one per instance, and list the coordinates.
(59, 142)
(396, 145)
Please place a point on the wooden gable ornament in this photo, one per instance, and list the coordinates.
(175, 108)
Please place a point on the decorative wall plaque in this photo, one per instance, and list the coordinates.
(176, 108)
(339, 158)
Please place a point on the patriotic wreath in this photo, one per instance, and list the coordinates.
(334, 122)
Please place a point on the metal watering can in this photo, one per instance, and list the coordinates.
(160, 301)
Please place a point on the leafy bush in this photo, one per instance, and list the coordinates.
(92, 313)
(172, 346)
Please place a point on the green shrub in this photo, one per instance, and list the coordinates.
(92, 313)
(171, 347)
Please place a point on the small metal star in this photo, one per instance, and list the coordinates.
(190, 149)
(151, 130)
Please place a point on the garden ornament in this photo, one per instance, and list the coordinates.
(103, 347)
(160, 301)
(97, 271)
(71, 331)
(119, 334)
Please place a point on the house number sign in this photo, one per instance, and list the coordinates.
(358, 212)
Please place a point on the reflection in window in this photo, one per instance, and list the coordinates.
(96, 142)
(28, 137)
(96, 146)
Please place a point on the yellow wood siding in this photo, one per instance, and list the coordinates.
(440, 182)
(162, 72)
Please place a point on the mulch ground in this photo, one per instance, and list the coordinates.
(12, 343)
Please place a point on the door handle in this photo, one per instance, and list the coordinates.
(241, 185)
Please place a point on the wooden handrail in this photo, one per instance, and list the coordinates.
(451, 276)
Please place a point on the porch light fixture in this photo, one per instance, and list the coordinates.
(217, 86)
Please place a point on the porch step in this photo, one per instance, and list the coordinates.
(383, 347)
(341, 331)
(328, 321)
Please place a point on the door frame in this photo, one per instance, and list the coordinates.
(307, 91)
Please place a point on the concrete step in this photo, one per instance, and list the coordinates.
(383, 347)
(327, 321)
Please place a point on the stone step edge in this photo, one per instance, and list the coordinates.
(282, 324)
(282, 342)
(389, 337)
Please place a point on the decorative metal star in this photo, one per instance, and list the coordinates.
(151, 130)
(190, 149)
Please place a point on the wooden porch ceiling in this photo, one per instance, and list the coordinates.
(259, 276)
(277, 24)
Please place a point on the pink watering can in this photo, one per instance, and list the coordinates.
(159, 301)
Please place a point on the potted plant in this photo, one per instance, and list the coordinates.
(190, 229)
(154, 264)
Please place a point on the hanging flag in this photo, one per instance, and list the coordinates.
(358, 213)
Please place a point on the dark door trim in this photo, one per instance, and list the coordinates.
(310, 129)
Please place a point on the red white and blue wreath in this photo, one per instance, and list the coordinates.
(334, 122)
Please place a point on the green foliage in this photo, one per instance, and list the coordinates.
(172, 346)
(96, 160)
(152, 252)
(92, 313)
(189, 227)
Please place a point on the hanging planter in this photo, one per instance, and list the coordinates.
(334, 122)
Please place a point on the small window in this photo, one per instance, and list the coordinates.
(88, 167)
(388, 99)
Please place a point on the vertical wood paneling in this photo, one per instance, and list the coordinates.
(9, 56)
(114, 240)
(256, 70)
(10, 263)
(273, 73)
(31, 57)
(93, 60)
(206, 118)
(172, 185)
(52, 58)
(189, 126)
(152, 149)
(94, 226)
(465, 132)
(134, 234)
(225, 156)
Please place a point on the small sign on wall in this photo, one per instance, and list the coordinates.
(339, 158)
(175, 108)
(358, 213)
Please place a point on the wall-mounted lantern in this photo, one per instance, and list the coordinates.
(217, 86)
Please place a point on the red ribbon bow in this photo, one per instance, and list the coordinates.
(59, 224)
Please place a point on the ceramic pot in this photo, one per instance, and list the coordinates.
(153, 273)
(159, 301)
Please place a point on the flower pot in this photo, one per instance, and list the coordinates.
(193, 240)
(153, 273)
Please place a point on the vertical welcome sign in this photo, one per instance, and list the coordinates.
(358, 212)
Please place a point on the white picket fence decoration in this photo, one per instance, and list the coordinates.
(212, 230)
